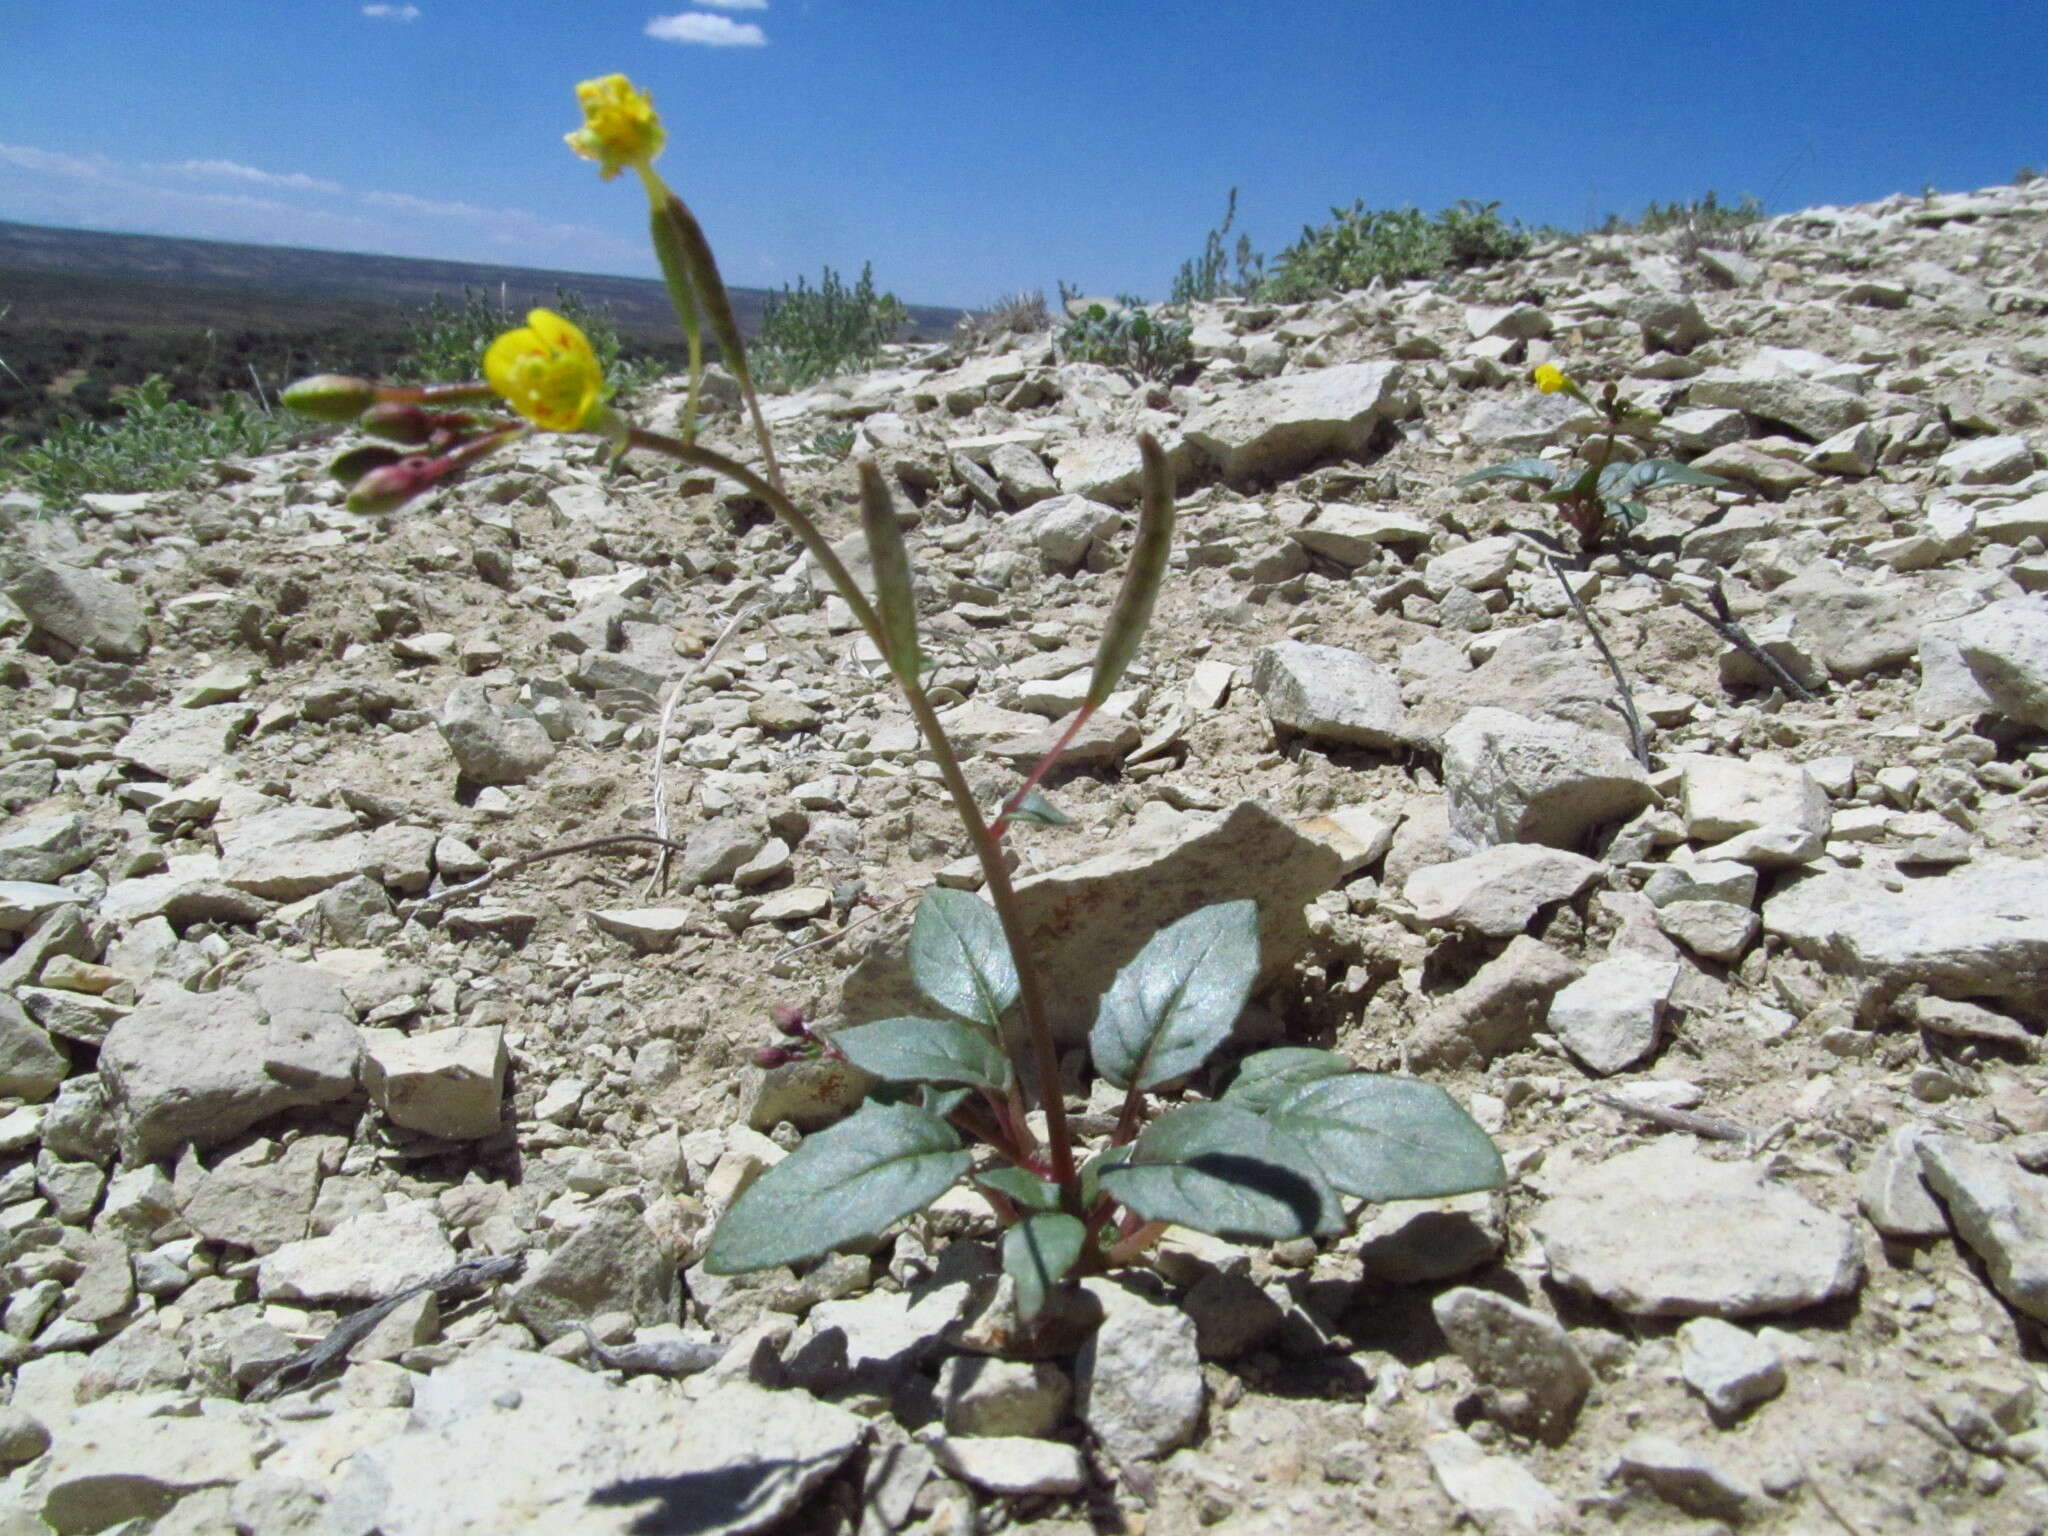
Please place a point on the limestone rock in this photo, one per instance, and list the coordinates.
(1665, 1231)
(196, 1070)
(490, 744)
(446, 1082)
(1731, 1368)
(1284, 425)
(1612, 1017)
(1496, 1011)
(1892, 1192)
(83, 609)
(1755, 812)
(365, 1258)
(181, 744)
(1139, 1377)
(1061, 529)
(1497, 891)
(1978, 932)
(125, 1459)
(2000, 1210)
(2005, 646)
(546, 1447)
(31, 1063)
(1332, 694)
(1012, 1465)
(1688, 1479)
(1525, 1357)
(1495, 1490)
(610, 1264)
(1515, 780)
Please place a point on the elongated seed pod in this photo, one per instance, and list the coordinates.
(682, 297)
(693, 251)
(895, 598)
(1132, 614)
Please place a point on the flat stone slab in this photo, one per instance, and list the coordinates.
(1980, 931)
(1665, 1231)
(2000, 1210)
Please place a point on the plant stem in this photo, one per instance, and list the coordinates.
(1045, 766)
(1002, 894)
(1637, 743)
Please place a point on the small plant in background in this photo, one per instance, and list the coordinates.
(1018, 314)
(155, 444)
(1295, 1131)
(808, 334)
(1207, 278)
(1392, 244)
(1127, 337)
(1596, 492)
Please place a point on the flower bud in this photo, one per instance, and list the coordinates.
(398, 421)
(358, 461)
(788, 1019)
(330, 397)
(772, 1056)
(388, 488)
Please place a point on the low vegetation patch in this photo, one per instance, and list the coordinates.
(808, 334)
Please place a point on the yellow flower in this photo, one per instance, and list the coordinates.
(620, 126)
(1550, 379)
(547, 373)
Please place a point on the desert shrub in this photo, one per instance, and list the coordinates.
(808, 334)
(1152, 347)
(1018, 314)
(1207, 277)
(153, 445)
(1475, 235)
(1396, 245)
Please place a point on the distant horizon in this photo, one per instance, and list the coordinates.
(971, 152)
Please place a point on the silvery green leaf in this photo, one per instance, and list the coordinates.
(1176, 1000)
(1220, 1168)
(960, 958)
(1270, 1076)
(1027, 1189)
(1389, 1138)
(1528, 471)
(926, 1051)
(1038, 1252)
(850, 1180)
(1039, 811)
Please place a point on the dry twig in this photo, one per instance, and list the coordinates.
(659, 879)
(1637, 743)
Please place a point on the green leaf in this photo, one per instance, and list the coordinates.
(941, 1101)
(1176, 1000)
(1096, 1167)
(849, 1181)
(926, 1051)
(1025, 1188)
(1220, 1168)
(1038, 1252)
(1528, 471)
(1038, 811)
(1620, 480)
(1270, 1076)
(960, 958)
(1389, 1138)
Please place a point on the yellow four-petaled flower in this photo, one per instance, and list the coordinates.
(547, 373)
(1550, 379)
(620, 126)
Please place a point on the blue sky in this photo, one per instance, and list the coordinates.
(972, 148)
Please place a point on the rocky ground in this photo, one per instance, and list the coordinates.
(291, 1044)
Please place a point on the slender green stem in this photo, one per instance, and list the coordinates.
(1002, 893)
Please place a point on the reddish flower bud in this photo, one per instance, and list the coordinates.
(789, 1019)
(358, 461)
(392, 486)
(398, 421)
(772, 1056)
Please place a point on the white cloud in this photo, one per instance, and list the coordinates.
(294, 181)
(711, 31)
(50, 163)
(393, 12)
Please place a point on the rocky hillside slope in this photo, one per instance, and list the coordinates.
(354, 1173)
